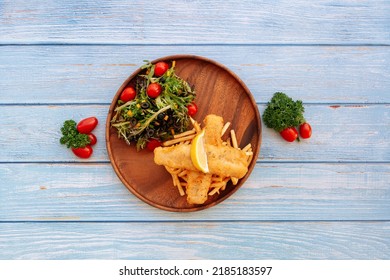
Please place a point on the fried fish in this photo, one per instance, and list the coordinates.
(224, 161)
(213, 130)
(198, 185)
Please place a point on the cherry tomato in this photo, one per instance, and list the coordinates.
(85, 152)
(154, 90)
(128, 94)
(86, 126)
(160, 68)
(153, 144)
(92, 139)
(305, 130)
(192, 109)
(289, 134)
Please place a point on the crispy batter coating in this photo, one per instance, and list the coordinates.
(223, 160)
(198, 185)
(213, 130)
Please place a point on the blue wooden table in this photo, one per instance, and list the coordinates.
(323, 198)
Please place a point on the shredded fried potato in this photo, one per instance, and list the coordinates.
(218, 183)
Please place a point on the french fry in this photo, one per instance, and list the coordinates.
(185, 133)
(247, 147)
(234, 139)
(214, 191)
(217, 185)
(234, 180)
(225, 127)
(180, 188)
(173, 170)
(178, 140)
(196, 125)
(223, 182)
(176, 181)
(250, 158)
(173, 179)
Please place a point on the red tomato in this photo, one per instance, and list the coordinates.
(160, 68)
(154, 90)
(192, 109)
(128, 94)
(289, 134)
(153, 144)
(86, 126)
(305, 130)
(85, 152)
(92, 139)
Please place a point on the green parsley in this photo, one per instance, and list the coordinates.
(71, 137)
(283, 112)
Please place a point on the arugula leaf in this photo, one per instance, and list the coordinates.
(71, 137)
(283, 112)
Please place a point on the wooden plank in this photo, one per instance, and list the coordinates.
(199, 22)
(93, 74)
(312, 240)
(32, 133)
(296, 191)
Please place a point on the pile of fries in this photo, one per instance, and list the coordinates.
(217, 183)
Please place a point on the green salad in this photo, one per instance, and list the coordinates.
(154, 106)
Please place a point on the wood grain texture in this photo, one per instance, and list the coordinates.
(312, 240)
(323, 198)
(199, 22)
(58, 74)
(335, 130)
(274, 192)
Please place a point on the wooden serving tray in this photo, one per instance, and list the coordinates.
(218, 91)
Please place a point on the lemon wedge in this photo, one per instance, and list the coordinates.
(198, 153)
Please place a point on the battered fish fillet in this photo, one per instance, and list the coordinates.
(198, 185)
(213, 130)
(227, 161)
(224, 160)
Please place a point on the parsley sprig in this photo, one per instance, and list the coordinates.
(71, 137)
(283, 112)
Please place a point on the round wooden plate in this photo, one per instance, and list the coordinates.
(218, 91)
